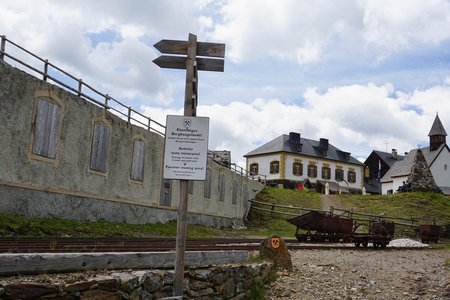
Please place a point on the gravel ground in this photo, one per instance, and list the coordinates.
(365, 274)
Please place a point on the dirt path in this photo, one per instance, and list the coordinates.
(369, 274)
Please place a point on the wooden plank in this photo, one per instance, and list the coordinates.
(54, 130)
(100, 142)
(181, 47)
(179, 62)
(137, 169)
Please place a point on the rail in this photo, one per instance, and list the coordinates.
(414, 221)
(83, 89)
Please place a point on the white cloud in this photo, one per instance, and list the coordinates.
(354, 118)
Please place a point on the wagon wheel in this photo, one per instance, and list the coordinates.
(375, 245)
(365, 244)
(357, 244)
(383, 245)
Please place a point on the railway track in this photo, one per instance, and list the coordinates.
(67, 245)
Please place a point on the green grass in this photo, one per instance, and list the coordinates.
(415, 204)
(11, 226)
(264, 224)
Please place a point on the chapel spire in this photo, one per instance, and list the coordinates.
(437, 134)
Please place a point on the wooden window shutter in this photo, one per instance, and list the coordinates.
(100, 143)
(137, 167)
(46, 130)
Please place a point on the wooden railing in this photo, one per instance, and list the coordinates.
(83, 89)
(103, 100)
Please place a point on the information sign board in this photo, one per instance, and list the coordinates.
(186, 148)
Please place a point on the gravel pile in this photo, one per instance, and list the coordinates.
(406, 243)
(365, 274)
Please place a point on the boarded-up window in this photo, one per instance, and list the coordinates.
(46, 129)
(235, 192)
(137, 167)
(274, 167)
(166, 193)
(222, 187)
(207, 184)
(99, 152)
(297, 169)
(254, 169)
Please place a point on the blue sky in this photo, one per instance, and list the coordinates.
(366, 74)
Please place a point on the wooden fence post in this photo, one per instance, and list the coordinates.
(2, 47)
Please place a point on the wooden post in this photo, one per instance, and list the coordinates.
(45, 70)
(189, 110)
(2, 47)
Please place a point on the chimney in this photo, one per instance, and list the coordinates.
(323, 146)
(294, 139)
(394, 154)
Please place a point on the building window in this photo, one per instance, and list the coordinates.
(339, 175)
(222, 187)
(312, 171)
(47, 126)
(297, 169)
(274, 167)
(351, 176)
(235, 192)
(137, 166)
(100, 144)
(326, 173)
(207, 185)
(254, 169)
(445, 167)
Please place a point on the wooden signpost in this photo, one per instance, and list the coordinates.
(190, 50)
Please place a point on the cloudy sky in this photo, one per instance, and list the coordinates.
(366, 74)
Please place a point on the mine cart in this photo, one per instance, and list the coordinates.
(429, 233)
(321, 227)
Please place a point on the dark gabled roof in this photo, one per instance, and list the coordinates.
(437, 128)
(403, 167)
(308, 148)
(387, 157)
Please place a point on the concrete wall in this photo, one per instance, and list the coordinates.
(67, 187)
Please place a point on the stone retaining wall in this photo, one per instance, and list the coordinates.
(217, 282)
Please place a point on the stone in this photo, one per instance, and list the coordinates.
(128, 282)
(199, 285)
(28, 290)
(201, 274)
(275, 249)
(217, 278)
(229, 288)
(152, 282)
(101, 295)
(201, 293)
(79, 286)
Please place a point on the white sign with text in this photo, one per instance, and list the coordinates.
(186, 148)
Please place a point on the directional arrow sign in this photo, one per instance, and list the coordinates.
(180, 47)
(179, 62)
